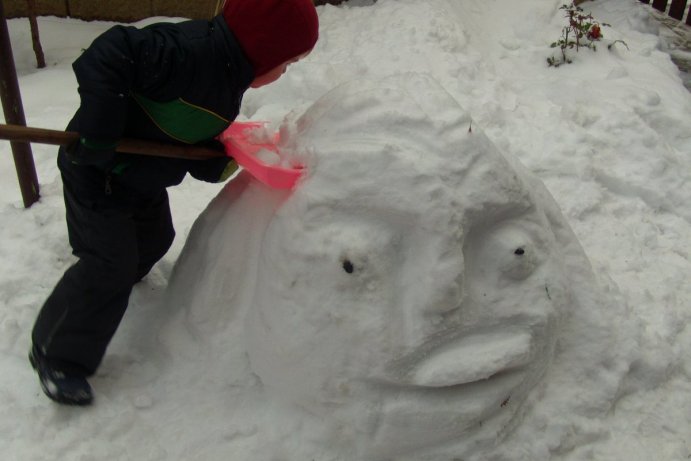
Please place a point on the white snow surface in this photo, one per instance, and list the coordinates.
(259, 345)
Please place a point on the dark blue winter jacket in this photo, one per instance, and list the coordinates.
(177, 83)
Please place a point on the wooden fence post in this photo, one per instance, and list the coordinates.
(676, 10)
(660, 5)
(219, 5)
(38, 50)
(14, 114)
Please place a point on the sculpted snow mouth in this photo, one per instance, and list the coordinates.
(441, 391)
(470, 359)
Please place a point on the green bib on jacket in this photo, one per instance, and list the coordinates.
(182, 120)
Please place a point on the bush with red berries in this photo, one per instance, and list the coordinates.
(582, 31)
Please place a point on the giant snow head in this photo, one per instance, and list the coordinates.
(409, 292)
(416, 281)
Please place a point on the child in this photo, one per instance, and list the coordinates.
(177, 83)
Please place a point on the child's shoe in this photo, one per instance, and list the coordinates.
(58, 386)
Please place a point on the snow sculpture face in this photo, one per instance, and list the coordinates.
(416, 301)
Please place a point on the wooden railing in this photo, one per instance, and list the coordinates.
(677, 8)
(121, 10)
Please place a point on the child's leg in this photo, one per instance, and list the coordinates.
(155, 233)
(80, 317)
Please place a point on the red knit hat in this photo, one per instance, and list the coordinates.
(272, 32)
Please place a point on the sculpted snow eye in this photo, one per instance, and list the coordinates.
(510, 251)
(348, 266)
(523, 262)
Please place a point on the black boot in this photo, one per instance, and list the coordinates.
(68, 389)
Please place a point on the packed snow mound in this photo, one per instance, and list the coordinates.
(411, 309)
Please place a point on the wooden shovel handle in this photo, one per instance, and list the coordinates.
(19, 133)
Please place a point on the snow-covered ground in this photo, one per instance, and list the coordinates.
(609, 136)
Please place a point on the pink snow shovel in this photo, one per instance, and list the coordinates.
(240, 143)
(259, 157)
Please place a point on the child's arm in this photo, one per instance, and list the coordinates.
(121, 61)
(215, 169)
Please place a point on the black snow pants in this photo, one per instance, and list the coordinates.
(116, 247)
